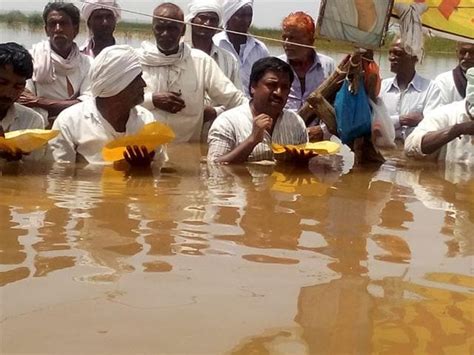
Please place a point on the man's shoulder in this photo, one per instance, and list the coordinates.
(199, 54)
(446, 76)
(33, 118)
(259, 45)
(76, 113)
(144, 114)
(224, 53)
(386, 84)
(423, 83)
(325, 59)
(235, 113)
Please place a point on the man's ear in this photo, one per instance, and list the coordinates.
(183, 31)
(252, 90)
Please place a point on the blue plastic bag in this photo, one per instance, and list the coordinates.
(353, 113)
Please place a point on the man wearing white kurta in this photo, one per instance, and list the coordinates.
(117, 87)
(178, 78)
(448, 132)
(453, 83)
(246, 50)
(60, 77)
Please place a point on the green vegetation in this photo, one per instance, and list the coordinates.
(35, 21)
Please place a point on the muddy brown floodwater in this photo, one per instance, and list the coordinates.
(239, 260)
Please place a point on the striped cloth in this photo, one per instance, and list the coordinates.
(232, 127)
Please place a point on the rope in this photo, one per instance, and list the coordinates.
(203, 26)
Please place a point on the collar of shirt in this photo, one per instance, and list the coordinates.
(415, 83)
(246, 48)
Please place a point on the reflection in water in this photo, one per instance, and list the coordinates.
(271, 259)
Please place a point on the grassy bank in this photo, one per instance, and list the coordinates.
(35, 22)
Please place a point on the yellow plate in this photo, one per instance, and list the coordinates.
(151, 136)
(27, 140)
(321, 148)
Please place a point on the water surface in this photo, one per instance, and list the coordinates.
(247, 259)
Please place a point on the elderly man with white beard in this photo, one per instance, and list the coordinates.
(117, 88)
(60, 76)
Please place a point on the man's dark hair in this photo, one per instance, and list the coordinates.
(261, 66)
(18, 57)
(69, 9)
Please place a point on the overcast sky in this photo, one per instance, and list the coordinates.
(267, 13)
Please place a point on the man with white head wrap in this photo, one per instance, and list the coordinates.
(246, 49)
(209, 13)
(101, 16)
(447, 132)
(117, 88)
(60, 71)
(178, 77)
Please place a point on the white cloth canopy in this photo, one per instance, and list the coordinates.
(91, 5)
(113, 70)
(232, 6)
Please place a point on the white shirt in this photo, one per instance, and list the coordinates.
(460, 150)
(421, 95)
(19, 117)
(197, 75)
(84, 132)
(57, 90)
(228, 64)
(232, 127)
(449, 92)
(250, 52)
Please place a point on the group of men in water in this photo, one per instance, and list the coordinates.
(222, 87)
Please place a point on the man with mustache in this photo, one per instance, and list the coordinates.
(16, 66)
(209, 13)
(407, 96)
(101, 17)
(247, 132)
(60, 76)
(179, 78)
(247, 50)
(117, 88)
(448, 132)
(453, 83)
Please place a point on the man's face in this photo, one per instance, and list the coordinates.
(241, 20)
(61, 32)
(207, 19)
(102, 23)
(465, 52)
(399, 59)
(135, 91)
(270, 93)
(11, 86)
(167, 33)
(296, 35)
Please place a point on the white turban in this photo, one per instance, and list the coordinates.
(232, 6)
(470, 89)
(197, 6)
(91, 5)
(113, 70)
